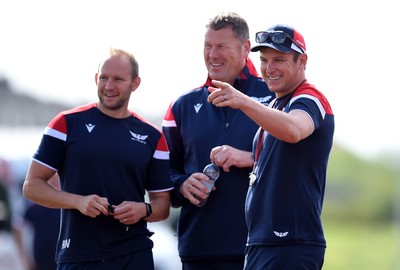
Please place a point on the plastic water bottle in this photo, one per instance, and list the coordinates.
(212, 171)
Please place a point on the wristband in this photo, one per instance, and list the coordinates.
(148, 209)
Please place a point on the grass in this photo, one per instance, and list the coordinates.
(354, 246)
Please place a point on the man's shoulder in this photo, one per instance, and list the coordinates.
(191, 95)
(193, 92)
(81, 108)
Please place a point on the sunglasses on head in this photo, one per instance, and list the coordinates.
(276, 37)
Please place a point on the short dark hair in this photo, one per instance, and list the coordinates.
(230, 19)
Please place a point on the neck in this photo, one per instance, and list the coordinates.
(119, 113)
(284, 93)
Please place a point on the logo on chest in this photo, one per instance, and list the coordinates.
(138, 137)
(89, 127)
(197, 107)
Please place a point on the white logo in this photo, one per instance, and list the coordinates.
(281, 234)
(138, 137)
(197, 107)
(65, 243)
(90, 127)
(263, 100)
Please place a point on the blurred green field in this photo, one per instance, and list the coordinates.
(358, 246)
(361, 206)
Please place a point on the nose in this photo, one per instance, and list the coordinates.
(109, 84)
(212, 52)
(268, 66)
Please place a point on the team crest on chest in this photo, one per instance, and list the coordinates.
(138, 137)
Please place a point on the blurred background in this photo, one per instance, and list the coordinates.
(50, 52)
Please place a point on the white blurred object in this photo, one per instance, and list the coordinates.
(165, 250)
(9, 255)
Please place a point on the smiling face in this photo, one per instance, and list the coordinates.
(282, 72)
(115, 85)
(224, 54)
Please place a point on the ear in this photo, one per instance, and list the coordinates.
(247, 46)
(95, 78)
(303, 60)
(135, 83)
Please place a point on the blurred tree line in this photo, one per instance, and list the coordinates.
(358, 189)
(361, 211)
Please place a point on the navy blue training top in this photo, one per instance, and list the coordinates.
(284, 203)
(192, 127)
(115, 158)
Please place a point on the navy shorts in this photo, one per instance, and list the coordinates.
(232, 264)
(140, 260)
(296, 257)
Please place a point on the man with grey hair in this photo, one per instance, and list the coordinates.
(213, 236)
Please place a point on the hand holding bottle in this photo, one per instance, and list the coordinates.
(212, 171)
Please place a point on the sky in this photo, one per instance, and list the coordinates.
(50, 50)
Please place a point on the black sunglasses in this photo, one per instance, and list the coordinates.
(276, 37)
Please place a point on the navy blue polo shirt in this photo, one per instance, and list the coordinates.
(115, 158)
